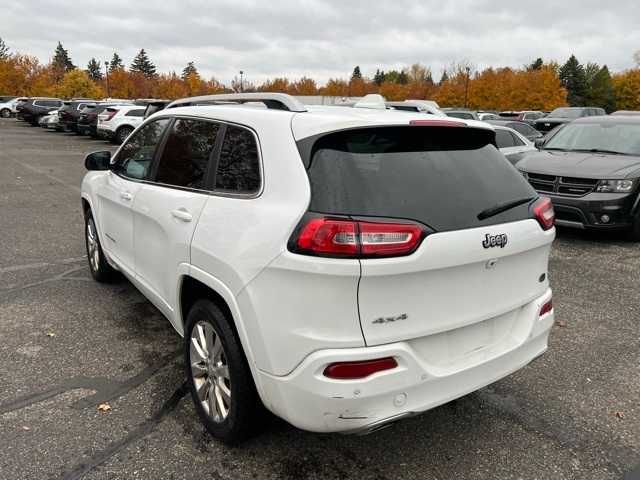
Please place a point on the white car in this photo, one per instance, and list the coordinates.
(116, 123)
(7, 109)
(344, 268)
(513, 144)
(50, 120)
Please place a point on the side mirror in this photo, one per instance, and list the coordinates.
(98, 160)
(539, 142)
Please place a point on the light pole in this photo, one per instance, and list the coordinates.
(466, 87)
(241, 86)
(106, 69)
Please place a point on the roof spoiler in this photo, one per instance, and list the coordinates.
(274, 101)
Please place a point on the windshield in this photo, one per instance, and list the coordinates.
(565, 113)
(615, 137)
(440, 176)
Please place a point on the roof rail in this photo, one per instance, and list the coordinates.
(275, 101)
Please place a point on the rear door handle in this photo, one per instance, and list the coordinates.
(182, 214)
(126, 196)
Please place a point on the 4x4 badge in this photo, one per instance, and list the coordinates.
(491, 241)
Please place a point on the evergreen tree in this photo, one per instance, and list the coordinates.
(116, 63)
(536, 65)
(142, 64)
(378, 78)
(189, 70)
(61, 59)
(445, 77)
(403, 78)
(601, 91)
(356, 73)
(94, 70)
(573, 78)
(4, 50)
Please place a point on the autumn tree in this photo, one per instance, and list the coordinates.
(94, 70)
(4, 50)
(280, 85)
(335, 87)
(627, 89)
(143, 65)
(170, 86)
(304, 86)
(77, 83)
(116, 63)
(573, 78)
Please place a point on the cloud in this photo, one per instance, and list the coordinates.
(325, 38)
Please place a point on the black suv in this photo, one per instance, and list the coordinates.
(70, 113)
(590, 169)
(36, 107)
(564, 115)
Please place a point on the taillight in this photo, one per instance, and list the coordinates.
(356, 370)
(544, 213)
(109, 115)
(333, 237)
(546, 308)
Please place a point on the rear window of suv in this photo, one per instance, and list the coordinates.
(442, 177)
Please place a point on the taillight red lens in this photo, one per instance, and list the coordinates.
(354, 239)
(546, 308)
(544, 213)
(325, 236)
(356, 370)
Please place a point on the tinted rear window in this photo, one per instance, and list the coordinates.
(442, 177)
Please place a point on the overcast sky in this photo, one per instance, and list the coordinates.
(325, 38)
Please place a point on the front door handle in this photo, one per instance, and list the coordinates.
(126, 196)
(182, 214)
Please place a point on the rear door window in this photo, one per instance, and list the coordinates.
(186, 156)
(442, 177)
(139, 112)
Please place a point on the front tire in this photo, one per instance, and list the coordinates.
(5, 113)
(100, 269)
(218, 375)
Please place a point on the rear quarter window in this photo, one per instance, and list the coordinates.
(442, 177)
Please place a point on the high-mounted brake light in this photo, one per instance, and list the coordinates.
(332, 237)
(436, 123)
(544, 213)
(357, 370)
(546, 308)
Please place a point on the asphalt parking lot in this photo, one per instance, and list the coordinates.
(69, 346)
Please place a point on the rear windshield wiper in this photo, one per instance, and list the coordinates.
(555, 148)
(502, 207)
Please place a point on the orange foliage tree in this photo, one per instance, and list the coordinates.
(626, 86)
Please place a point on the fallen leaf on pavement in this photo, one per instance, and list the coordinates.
(51, 334)
(25, 428)
(561, 323)
(104, 407)
(620, 415)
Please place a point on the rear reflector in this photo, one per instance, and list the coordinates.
(546, 308)
(356, 370)
(436, 123)
(356, 239)
(544, 213)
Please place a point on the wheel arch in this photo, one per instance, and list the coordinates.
(197, 284)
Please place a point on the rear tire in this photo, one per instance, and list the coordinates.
(122, 134)
(5, 113)
(219, 378)
(100, 269)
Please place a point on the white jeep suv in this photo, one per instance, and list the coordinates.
(117, 122)
(342, 267)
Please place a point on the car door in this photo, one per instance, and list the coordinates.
(131, 165)
(166, 210)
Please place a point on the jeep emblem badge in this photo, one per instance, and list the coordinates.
(491, 241)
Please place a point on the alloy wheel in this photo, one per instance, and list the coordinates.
(93, 251)
(210, 371)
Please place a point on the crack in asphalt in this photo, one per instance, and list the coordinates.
(64, 261)
(55, 278)
(105, 388)
(144, 429)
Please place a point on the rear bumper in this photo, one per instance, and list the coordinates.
(104, 132)
(587, 212)
(313, 402)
